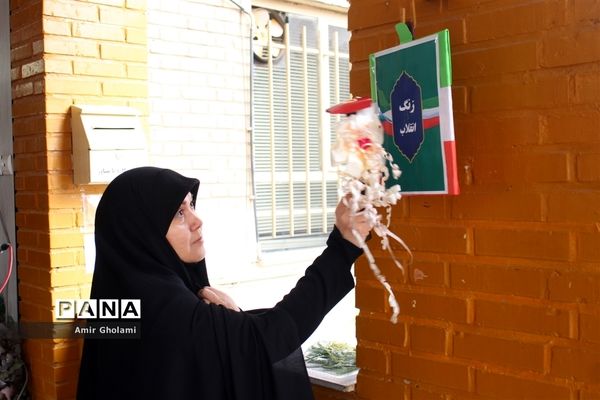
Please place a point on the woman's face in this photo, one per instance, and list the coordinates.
(185, 234)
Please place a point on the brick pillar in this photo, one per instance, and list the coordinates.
(62, 53)
(503, 298)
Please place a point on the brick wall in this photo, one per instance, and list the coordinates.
(62, 53)
(503, 299)
(323, 393)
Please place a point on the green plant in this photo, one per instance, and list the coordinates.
(336, 357)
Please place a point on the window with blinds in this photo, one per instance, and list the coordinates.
(296, 187)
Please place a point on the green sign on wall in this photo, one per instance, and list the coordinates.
(411, 84)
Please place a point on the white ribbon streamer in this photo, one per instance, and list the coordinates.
(363, 170)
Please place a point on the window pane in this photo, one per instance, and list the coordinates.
(343, 39)
(296, 23)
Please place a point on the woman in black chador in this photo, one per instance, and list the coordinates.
(195, 342)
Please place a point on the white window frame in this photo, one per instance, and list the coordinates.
(326, 173)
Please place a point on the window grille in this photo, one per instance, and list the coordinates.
(295, 185)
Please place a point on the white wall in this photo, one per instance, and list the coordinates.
(199, 68)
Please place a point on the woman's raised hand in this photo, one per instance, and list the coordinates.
(345, 222)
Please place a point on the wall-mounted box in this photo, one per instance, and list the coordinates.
(107, 140)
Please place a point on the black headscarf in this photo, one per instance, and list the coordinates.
(189, 349)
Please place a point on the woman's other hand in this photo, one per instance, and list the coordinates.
(210, 295)
(345, 222)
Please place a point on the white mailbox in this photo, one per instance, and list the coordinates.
(107, 140)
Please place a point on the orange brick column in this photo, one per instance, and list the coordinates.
(503, 299)
(63, 53)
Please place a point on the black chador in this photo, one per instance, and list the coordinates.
(189, 349)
